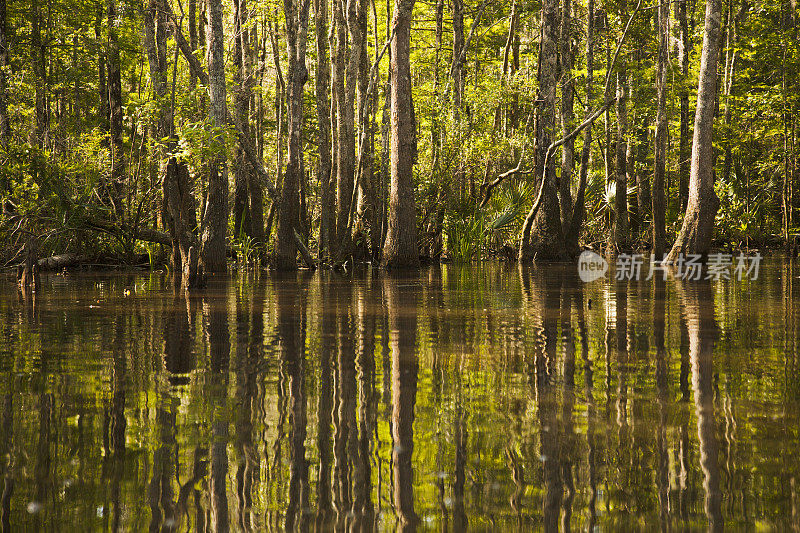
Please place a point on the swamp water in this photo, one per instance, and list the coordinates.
(460, 397)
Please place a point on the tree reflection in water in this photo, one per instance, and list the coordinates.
(462, 397)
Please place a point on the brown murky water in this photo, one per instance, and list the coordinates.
(480, 397)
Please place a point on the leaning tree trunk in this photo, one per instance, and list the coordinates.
(215, 217)
(296, 14)
(698, 223)
(400, 249)
(660, 158)
(541, 237)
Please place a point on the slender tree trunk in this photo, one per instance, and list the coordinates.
(5, 125)
(684, 48)
(115, 105)
(619, 237)
(435, 209)
(567, 114)
(38, 59)
(698, 224)
(542, 236)
(215, 218)
(296, 13)
(642, 177)
(660, 158)
(365, 208)
(344, 81)
(456, 68)
(386, 134)
(255, 193)
(248, 198)
(323, 80)
(241, 214)
(102, 85)
(400, 249)
(573, 232)
(192, 8)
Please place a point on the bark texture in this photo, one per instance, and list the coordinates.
(215, 218)
(323, 80)
(698, 223)
(400, 249)
(296, 13)
(542, 237)
(660, 159)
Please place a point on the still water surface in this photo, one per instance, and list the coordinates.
(462, 397)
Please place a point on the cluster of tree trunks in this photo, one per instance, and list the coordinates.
(369, 214)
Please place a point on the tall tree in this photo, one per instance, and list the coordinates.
(400, 248)
(619, 232)
(365, 207)
(660, 159)
(248, 198)
(567, 113)
(115, 106)
(323, 80)
(698, 223)
(296, 13)
(684, 50)
(542, 233)
(345, 70)
(5, 125)
(215, 217)
(572, 233)
(38, 53)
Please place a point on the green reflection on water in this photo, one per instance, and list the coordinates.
(478, 397)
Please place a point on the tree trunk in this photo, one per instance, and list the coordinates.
(323, 79)
(642, 178)
(456, 68)
(567, 114)
(179, 203)
(660, 157)
(365, 208)
(248, 198)
(38, 59)
(698, 224)
(5, 125)
(400, 249)
(619, 236)
(215, 218)
(542, 236)
(296, 13)
(345, 73)
(241, 213)
(684, 48)
(573, 231)
(386, 149)
(192, 8)
(102, 86)
(115, 106)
